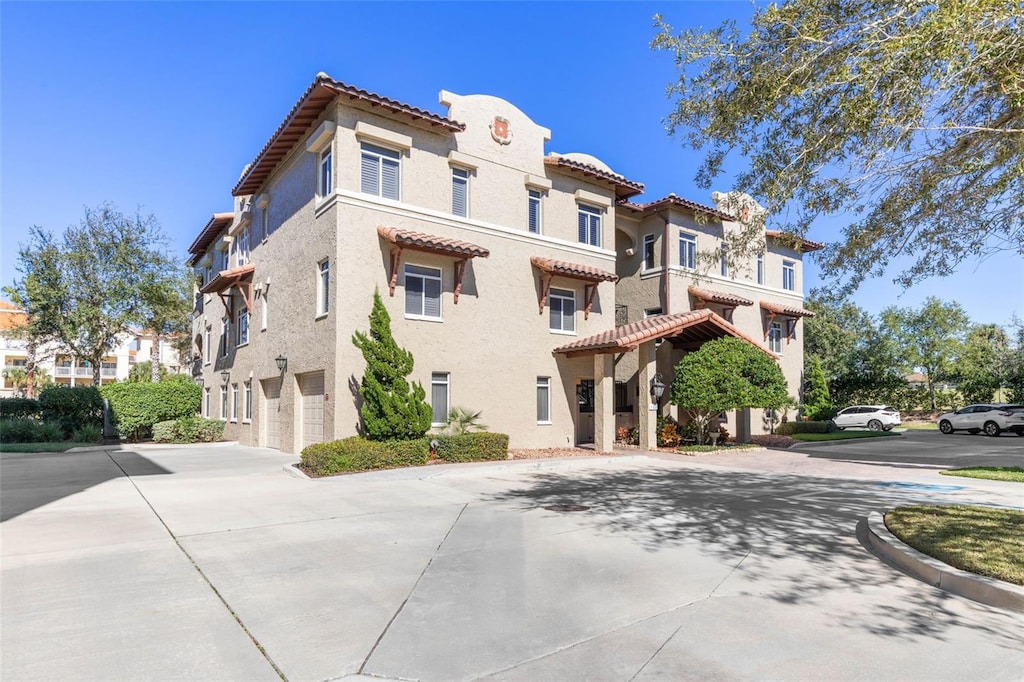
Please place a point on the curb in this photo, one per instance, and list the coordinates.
(978, 588)
(838, 441)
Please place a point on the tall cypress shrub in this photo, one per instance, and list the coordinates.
(817, 401)
(392, 408)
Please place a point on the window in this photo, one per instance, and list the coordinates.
(760, 268)
(242, 249)
(775, 337)
(651, 312)
(534, 211)
(543, 400)
(264, 311)
(788, 275)
(265, 223)
(234, 402)
(247, 411)
(225, 336)
(724, 256)
(563, 310)
(324, 181)
(622, 397)
(208, 345)
(439, 393)
(460, 192)
(379, 172)
(206, 402)
(422, 292)
(688, 250)
(224, 401)
(649, 251)
(242, 326)
(589, 223)
(323, 288)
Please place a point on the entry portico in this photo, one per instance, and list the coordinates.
(685, 331)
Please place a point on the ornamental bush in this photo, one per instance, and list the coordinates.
(15, 408)
(190, 429)
(471, 447)
(360, 454)
(137, 407)
(71, 407)
(789, 428)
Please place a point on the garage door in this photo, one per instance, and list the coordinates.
(272, 413)
(312, 388)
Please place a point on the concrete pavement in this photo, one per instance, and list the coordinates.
(216, 564)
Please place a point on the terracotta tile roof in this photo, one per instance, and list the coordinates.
(12, 318)
(8, 306)
(317, 97)
(719, 297)
(421, 241)
(787, 310)
(624, 188)
(572, 270)
(673, 200)
(693, 327)
(225, 279)
(208, 234)
(805, 245)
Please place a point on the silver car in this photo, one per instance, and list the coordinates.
(873, 417)
(991, 418)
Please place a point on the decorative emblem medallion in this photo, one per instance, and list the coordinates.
(501, 131)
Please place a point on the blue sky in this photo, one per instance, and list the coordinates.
(160, 105)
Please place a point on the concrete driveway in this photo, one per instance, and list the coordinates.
(215, 563)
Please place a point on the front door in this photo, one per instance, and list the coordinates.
(585, 419)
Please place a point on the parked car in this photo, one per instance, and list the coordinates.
(991, 418)
(873, 417)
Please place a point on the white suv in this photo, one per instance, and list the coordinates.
(874, 417)
(992, 419)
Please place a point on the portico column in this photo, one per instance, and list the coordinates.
(604, 402)
(647, 415)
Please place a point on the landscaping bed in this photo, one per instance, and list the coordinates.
(1015, 474)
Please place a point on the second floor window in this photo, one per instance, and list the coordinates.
(649, 252)
(242, 250)
(788, 275)
(724, 255)
(422, 292)
(379, 172)
(324, 173)
(534, 211)
(775, 338)
(323, 287)
(208, 345)
(589, 225)
(225, 336)
(460, 192)
(687, 250)
(760, 269)
(562, 310)
(242, 326)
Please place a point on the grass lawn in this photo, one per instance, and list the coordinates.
(982, 540)
(920, 426)
(841, 435)
(992, 473)
(43, 447)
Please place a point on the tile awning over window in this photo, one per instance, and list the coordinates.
(225, 279)
(428, 243)
(687, 330)
(786, 310)
(560, 268)
(719, 297)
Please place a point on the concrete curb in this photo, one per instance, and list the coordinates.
(847, 441)
(932, 571)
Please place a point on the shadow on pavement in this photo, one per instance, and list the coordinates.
(796, 536)
(31, 480)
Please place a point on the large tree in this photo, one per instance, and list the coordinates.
(725, 374)
(902, 118)
(980, 368)
(88, 289)
(169, 303)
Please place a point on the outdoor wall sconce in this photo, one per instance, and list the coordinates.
(224, 376)
(282, 363)
(657, 387)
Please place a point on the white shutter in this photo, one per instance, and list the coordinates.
(460, 192)
(368, 174)
(432, 297)
(389, 179)
(582, 225)
(413, 294)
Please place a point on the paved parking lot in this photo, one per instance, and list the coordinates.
(927, 448)
(215, 563)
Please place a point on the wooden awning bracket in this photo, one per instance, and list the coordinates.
(245, 288)
(588, 294)
(396, 256)
(225, 298)
(460, 270)
(768, 327)
(545, 288)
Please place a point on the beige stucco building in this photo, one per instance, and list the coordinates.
(498, 264)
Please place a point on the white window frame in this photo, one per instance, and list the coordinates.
(562, 295)
(247, 405)
(225, 336)
(242, 326)
(760, 268)
(789, 275)
(723, 251)
(206, 402)
(543, 386)
(323, 287)
(264, 311)
(325, 172)
(649, 243)
(234, 402)
(775, 338)
(208, 341)
(592, 215)
(460, 177)
(374, 152)
(534, 199)
(423, 302)
(438, 379)
(242, 249)
(223, 402)
(687, 250)
(265, 223)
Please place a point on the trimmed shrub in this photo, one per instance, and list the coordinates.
(189, 429)
(16, 408)
(165, 432)
(21, 430)
(789, 428)
(472, 447)
(48, 432)
(772, 441)
(89, 433)
(359, 454)
(137, 407)
(71, 407)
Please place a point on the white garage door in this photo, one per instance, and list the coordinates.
(312, 388)
(272, 412)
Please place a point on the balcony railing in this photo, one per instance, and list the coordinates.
(85, 372)
(621, 315)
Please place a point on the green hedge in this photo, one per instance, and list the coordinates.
(358, 454)
(789, 428)
(71, 407)
(137, 407)
(189, 429)
(15, 408)
(24, 430)
(472, 447)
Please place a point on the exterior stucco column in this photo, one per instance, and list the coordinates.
(604, 402)
(647, 415)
